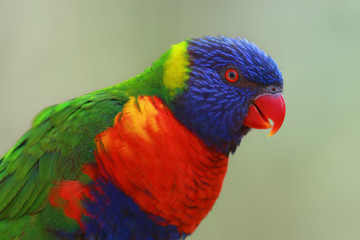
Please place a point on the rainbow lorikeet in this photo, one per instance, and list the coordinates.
(146, 158)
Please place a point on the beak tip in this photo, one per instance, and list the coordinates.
(271, 134)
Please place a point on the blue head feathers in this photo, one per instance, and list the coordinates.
(213, 107)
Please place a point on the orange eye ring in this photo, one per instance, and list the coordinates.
(231, 75)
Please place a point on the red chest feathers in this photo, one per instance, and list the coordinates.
(168, 171)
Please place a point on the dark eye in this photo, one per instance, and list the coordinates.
(231, 75)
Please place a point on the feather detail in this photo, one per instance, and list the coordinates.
(67, 195)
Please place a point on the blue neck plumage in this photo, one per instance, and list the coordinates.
(217, 122)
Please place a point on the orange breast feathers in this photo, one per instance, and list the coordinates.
(167, 170)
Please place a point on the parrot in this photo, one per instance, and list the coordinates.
(145, 158)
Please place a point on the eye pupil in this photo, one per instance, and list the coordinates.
(231, 75)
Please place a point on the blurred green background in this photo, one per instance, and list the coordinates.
(301, 184)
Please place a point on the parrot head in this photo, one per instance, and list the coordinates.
(222, 87)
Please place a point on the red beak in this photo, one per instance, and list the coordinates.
(265, 107)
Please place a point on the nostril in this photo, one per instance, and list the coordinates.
(272, 89)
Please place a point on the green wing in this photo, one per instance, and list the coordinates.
(60, 141)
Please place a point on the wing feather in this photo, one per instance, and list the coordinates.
(60, 141)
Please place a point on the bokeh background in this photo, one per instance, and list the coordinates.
(301, 184)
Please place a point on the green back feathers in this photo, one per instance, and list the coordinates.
(166, 78)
